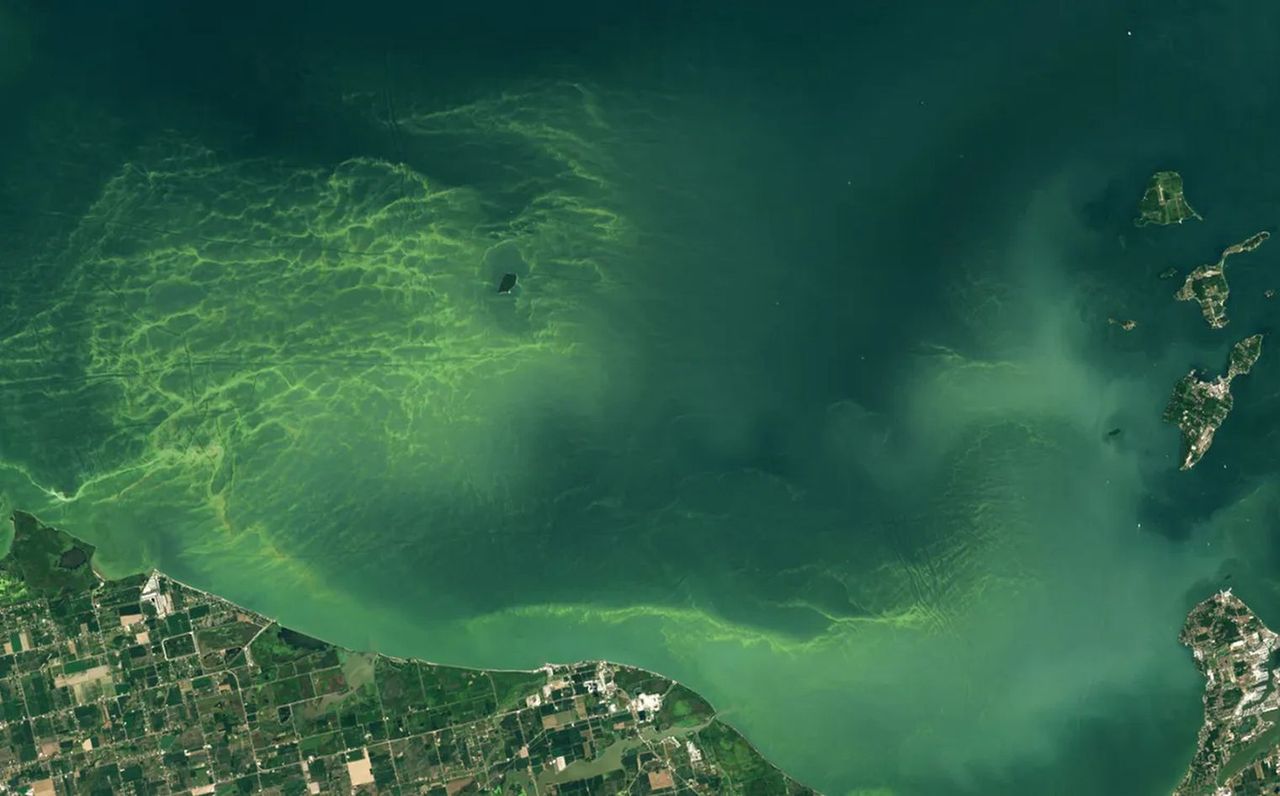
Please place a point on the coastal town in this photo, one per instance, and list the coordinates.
(1199, 406)
(1238, 747)
(147, 686)
(1207, 284)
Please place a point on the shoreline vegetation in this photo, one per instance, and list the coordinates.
(145, 679)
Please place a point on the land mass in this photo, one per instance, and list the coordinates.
(1163, 202)
(1238, 749)
(1207, 284)
(144, 685)
(1199, 406)
(1127, 325)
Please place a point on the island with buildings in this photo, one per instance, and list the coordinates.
(146, 685)
(1207, 284)
(1238, 747)
(1163, 202)
(1198, 405)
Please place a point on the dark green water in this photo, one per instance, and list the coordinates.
(800, 399)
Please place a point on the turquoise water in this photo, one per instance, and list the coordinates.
(801, 397)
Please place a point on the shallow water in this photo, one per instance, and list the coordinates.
(801, 397)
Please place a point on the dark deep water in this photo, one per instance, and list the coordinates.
(802, 394)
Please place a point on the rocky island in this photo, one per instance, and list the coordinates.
(1199, 406)
(1208, 283)
(1238, 748)
(1163, 202)
(1127, 325)
(146, 685)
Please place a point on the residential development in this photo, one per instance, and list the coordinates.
(1199, 405)
(147, 686)
(1239, 743)
(1207, 284)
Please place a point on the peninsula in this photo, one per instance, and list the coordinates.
(146, 685)
(1199, 406)
(1238, 748)
(1163, 202)
(1208, 283)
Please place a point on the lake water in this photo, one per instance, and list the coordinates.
(803, 393)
